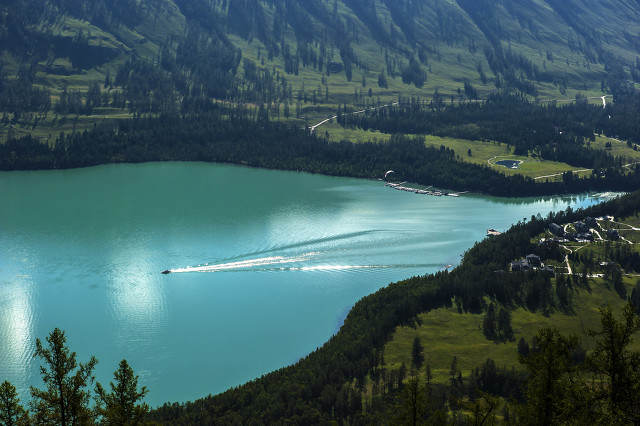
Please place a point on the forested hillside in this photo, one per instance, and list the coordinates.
(248, 137)
(155, 56)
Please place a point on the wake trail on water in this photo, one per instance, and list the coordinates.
(285, 263)
(321, 254)
(278, 259)
(306, 243)
(246, 265)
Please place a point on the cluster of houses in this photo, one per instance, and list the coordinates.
(532, 261)
(583, 231)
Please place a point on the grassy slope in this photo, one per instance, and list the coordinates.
(445, 332)
(447, 73)
(448, 69)
(162, 22)
(49, 127)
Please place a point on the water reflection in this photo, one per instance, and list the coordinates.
(17, 339)
(136, 299)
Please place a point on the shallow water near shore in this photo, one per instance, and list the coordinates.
(266, 264)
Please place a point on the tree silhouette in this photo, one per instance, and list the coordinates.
(11, 411)
(121, 405)
(64, 400)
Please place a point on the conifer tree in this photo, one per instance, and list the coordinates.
(635, 297)
(615, 368)
(413, 404)
(11, 411)
(416, 353)
(121, 406)
(548, 383)
(428, 375)
(65, 400)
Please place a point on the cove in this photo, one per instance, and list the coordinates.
(266, 264)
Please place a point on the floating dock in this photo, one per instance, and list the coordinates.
(426, 191)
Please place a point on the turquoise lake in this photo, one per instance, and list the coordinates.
(266, 264)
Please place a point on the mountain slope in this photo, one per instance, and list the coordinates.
(539, 47)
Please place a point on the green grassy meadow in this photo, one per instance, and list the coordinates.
(444, 332)
(47, 128)
(618, 148)
(482, 153)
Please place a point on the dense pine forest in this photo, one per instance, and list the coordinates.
(238, 135)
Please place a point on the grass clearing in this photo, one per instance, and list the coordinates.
(48, 128)
(488, 153)
(618, 148)
(338, 133)
(482, 153)
(444, 332)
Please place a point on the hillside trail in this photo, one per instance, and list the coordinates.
(326, 120)
(362, 111)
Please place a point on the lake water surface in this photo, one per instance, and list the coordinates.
(268, 264)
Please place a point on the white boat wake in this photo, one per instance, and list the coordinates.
(284, 263)
(250, 264)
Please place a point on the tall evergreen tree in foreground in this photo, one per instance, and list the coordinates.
(605, 389)
(412, 405)
(11, 412)
(549, 381)
(65, 398)
(615, 368)
(121, 405)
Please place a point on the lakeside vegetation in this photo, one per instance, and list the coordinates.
(236, 134)
(67, 393)
(66, 67)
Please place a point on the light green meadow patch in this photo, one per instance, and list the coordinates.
(444, 333)
(618, 148)
(481, 152)
(488, 153)
(338, 133)
(48, 128)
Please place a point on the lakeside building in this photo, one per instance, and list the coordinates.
(556, 229)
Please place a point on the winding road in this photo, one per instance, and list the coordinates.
(362, 111)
